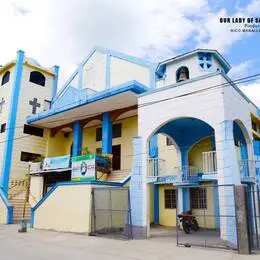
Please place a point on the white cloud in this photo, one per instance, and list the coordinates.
(241, 70)
(217, 35)
(253, 92)
(62, 32)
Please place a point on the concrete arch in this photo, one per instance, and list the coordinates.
(247, 139)
(161, 124)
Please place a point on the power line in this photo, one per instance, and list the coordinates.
(250, 78)
(245, 79)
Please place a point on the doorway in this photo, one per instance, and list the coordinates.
(116, 161)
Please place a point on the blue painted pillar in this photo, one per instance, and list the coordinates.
(185, 191)
(106, 134)
(153, 153)
(213, 143)
(8, 148)
(55, 81)
(216, 205)
(77, 139)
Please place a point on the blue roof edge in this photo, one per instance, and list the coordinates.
(133, 86)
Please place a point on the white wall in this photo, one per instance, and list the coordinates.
(192, 63)
(24, 142)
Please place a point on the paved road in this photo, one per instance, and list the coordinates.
(47, 245)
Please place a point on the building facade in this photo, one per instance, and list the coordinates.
(176, 131)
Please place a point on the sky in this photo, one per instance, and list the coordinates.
(59, 32)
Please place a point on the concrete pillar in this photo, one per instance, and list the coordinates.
(228, 175)
(77, 139)
(138, 191)
(55, 81)
(185, 191)
(10, 133)
(242, 220)
(106, 134)
(153, 153)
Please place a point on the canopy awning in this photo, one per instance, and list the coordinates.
(77, 105)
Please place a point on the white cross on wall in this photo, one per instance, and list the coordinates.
(205, 62)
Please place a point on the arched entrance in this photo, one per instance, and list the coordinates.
(179, 162)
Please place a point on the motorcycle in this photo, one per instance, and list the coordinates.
(188, 221)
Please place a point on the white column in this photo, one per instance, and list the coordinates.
(228, 174)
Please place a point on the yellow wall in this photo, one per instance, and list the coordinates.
(3, 212)
(168, 153)
(151, 197)
(167, 216)
(36, 190)
(67, 209)
(209, 221)
(5, 93)
(59, 145)
(195, 154)
(129, 130)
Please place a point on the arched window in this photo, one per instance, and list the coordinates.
(6, 78)
(182, 73)
(37, 78)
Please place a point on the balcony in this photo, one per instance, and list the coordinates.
(157, 173)
(186, 174)
(248, 170)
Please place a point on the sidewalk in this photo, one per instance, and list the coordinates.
(37, 244)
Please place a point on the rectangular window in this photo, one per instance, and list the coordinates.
(29, 157)
(169, 141)
(3, 128)
(32, 130)
(46, 105)
(98, 134)
(98, 151)
(198, 198)
(116, 132)
(170, 199)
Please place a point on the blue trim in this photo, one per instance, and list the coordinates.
(226, 66)
(7, 159)
(70, 183)
(80, 78)
(77, 139)
(152, 78)
(108, 71)
(156, 211)
(133, 86)
(120, 56)
(55, 81)
(216, 206)
(109, 52)
(9, 219)
(66, 85)
(186, 199)
(106, 134)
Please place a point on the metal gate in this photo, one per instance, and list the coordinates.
(111, 212)
(217, 226)
(253, 199)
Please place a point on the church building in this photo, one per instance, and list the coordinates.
(178, 135)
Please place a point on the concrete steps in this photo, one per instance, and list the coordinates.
(118, 176)
(18, 205)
